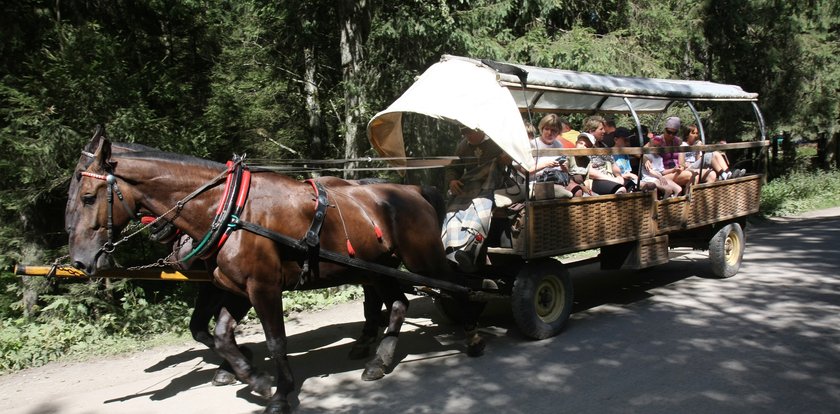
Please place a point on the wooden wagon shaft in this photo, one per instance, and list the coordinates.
(145, 274)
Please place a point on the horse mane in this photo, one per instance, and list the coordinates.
(143, 152)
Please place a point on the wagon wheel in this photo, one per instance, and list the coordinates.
(726, 249)
(541, 300)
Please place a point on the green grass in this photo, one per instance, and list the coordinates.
(799, 192)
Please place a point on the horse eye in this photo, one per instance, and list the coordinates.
(88, 199)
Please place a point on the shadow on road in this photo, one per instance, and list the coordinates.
(663, 340)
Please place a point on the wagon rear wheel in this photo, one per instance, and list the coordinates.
(726, 249)
(541, 300)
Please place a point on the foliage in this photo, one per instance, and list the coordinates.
(313, 300)
(82, 317)
(801, 191)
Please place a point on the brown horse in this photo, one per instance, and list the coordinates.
(211, 302)
(380, 223)
(227, 308)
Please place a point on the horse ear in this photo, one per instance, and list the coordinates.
(98, 135)
(103, 155)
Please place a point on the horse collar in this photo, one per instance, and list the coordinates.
(227, 214)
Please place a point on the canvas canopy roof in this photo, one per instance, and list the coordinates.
(489, 95)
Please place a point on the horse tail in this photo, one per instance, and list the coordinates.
(435, 198)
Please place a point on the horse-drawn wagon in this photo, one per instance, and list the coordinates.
(259, 250)
(633, 230)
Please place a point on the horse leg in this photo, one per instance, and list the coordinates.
(206, 306)
(370, 331)
(471, 310)
(209, 303)
(375, 368)
(268, 302)
(237, 307)
(225, 346)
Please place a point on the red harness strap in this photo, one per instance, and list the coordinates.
(237, 210)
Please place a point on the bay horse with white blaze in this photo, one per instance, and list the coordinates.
(384, 224)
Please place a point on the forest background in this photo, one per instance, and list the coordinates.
(299, 79)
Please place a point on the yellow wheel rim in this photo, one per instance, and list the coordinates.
(550, 299)
(732, 248)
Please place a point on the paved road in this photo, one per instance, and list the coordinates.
(666, 340)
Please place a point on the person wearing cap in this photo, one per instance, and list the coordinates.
(674, 161)
(471, 179)
(653, 177)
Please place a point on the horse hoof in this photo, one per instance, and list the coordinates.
(476, 349)
(278, 408)
(373, 373)
(262, 386)
(223, 377)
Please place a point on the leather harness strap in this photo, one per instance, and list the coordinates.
(312, 238)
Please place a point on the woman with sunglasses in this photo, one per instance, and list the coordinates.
(674, 162)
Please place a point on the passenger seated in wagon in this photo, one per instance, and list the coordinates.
(674, 161)
(714, 164)
(593, 175)
(471, 179)
(653, 174)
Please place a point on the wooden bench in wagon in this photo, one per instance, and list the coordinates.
(633, 230)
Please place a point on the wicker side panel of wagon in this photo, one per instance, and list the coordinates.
(709, 203)
(569, 225)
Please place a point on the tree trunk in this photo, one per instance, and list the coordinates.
(310, 91)
(32, 286)
(355, 22)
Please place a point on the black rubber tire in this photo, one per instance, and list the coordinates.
(726, 249)
(542, 299)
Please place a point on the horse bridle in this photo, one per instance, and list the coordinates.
(112, 188)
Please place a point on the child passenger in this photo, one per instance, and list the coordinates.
(653, 176)
(623, 161)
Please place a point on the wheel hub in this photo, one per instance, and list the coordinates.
(549, 299)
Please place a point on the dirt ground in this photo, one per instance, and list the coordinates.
(665, 340)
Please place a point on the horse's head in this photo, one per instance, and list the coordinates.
(95, 215)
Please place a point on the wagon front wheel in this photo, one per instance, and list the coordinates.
(541, 300)
(726, 249)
